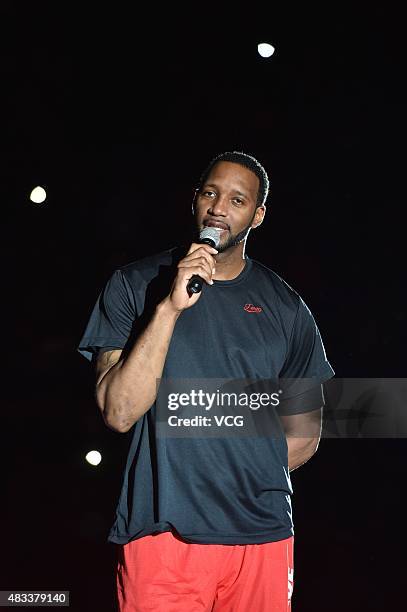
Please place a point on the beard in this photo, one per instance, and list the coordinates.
(232, 240)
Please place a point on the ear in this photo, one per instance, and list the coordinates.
(259, 216)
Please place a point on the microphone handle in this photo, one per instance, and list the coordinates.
(195, 283)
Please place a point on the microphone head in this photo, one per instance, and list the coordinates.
(211, 236)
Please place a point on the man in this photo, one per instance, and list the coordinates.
(204, 521)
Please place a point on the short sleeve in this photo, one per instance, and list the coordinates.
(306, 366)
(111, 320)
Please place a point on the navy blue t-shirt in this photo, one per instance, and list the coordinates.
(228, 489)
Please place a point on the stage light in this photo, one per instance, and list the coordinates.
(94, 457)
(38, 195)
(265, 49)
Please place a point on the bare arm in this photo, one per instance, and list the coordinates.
(303, 432)
(127, 387)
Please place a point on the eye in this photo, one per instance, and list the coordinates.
(208, 193)
(238, 201)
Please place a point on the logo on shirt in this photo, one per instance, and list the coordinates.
(251, 308)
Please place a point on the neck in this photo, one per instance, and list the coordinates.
(230, 263)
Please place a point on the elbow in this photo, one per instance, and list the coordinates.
(112, 414)
(116, 425)
(116, 419)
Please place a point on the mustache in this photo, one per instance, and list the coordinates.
(215, 223)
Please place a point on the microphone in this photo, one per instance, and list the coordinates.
(211, 236)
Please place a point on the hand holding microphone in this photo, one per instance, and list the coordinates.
(194, 269)
(210, 236)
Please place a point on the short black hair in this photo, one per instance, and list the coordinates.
(247, 161)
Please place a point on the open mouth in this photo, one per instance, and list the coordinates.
(216, 224)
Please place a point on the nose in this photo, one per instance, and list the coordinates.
(218, 206)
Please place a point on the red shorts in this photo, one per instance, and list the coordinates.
(163, 573)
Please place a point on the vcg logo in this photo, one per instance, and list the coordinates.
(229, 420)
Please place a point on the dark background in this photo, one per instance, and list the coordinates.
(116, 112)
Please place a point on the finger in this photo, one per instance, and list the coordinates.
(201, 262)
(205, 247)
(197, 261)
(198, 256)
(186, 274)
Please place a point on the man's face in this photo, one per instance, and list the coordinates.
(228, 200)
